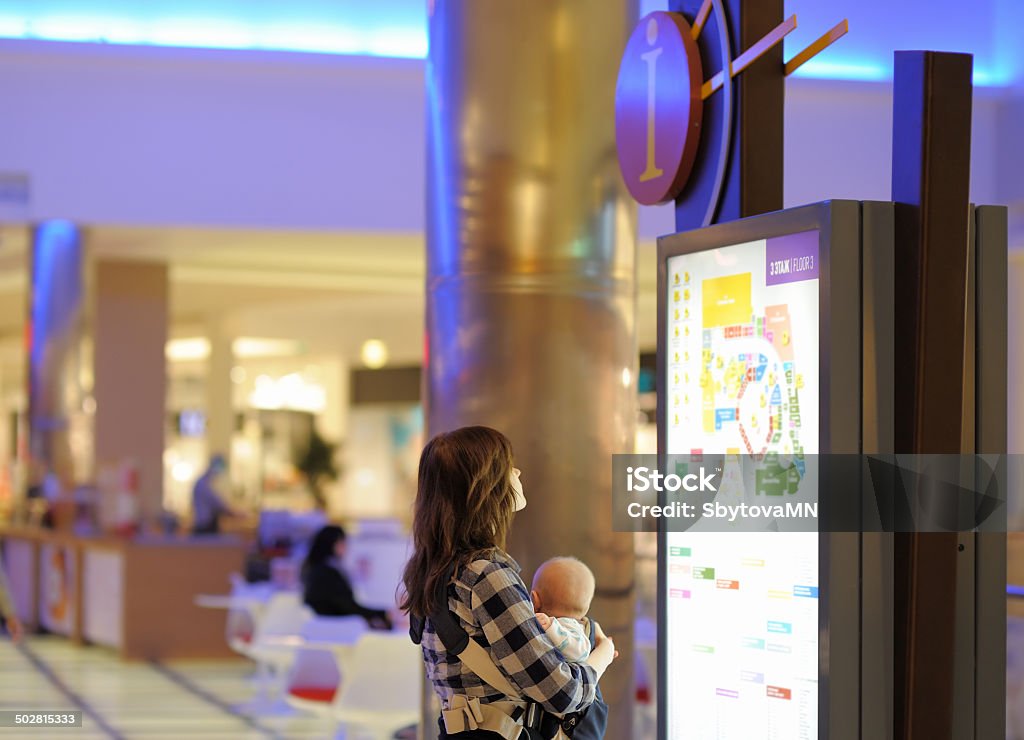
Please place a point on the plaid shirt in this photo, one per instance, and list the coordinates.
(493, 606)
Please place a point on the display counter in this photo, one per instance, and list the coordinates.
(134, 595)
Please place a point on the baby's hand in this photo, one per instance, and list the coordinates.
(544, 619)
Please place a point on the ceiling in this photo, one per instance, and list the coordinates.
(334, 290)
(398, 28)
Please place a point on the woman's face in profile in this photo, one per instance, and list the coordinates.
(517, 487)
(339, 549)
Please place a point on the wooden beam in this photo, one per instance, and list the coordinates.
(930, 184)
(820, 44)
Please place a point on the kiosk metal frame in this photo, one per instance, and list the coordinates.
(839, 225)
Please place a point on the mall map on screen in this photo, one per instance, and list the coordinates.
(742, 366)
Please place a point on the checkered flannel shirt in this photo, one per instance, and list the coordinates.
(493, 606)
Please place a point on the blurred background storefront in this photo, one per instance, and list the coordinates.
(292, 231)
(271, 159)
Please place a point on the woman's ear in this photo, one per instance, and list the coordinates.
(535, 598)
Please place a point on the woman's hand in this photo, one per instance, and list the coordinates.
(599, 635)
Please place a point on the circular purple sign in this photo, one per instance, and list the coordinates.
(658, 108)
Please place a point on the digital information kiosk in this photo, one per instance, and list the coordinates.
(760, 351)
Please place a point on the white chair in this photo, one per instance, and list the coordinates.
(245, 608)
(380, 693)
(282, 618)
(320, 662)
(240, 628)
(335, 630)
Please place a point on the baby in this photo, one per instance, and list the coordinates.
(562, 591)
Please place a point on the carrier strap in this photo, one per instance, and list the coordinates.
(456, 640)
(480, 662)
(468, 713)
(463, 713)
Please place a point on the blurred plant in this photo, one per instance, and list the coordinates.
(318, 466)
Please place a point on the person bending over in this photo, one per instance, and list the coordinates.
(209, 508)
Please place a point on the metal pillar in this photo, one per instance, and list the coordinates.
(55, 333)
(531, 286)
(991, 416)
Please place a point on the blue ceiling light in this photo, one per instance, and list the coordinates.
(865, 70)
(998, 77)
(878, 27)
(830, 68)
(398, 28)
(391, 28)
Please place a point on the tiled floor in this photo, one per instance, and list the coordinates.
(138, 700)
(202, 699)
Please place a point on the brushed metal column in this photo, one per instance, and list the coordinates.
(58, 443)
(531, 282)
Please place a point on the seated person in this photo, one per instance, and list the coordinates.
(327, 589)
(562, 591)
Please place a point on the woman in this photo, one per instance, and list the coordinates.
(467, 494)
(327, 590)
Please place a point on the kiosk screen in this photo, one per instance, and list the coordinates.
(741, 607)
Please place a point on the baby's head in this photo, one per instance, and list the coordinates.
(563, 587)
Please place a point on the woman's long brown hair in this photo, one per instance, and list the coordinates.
(464, 506)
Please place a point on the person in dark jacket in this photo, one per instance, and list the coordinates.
(328, 591)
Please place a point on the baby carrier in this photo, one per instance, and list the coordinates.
(515, 718)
